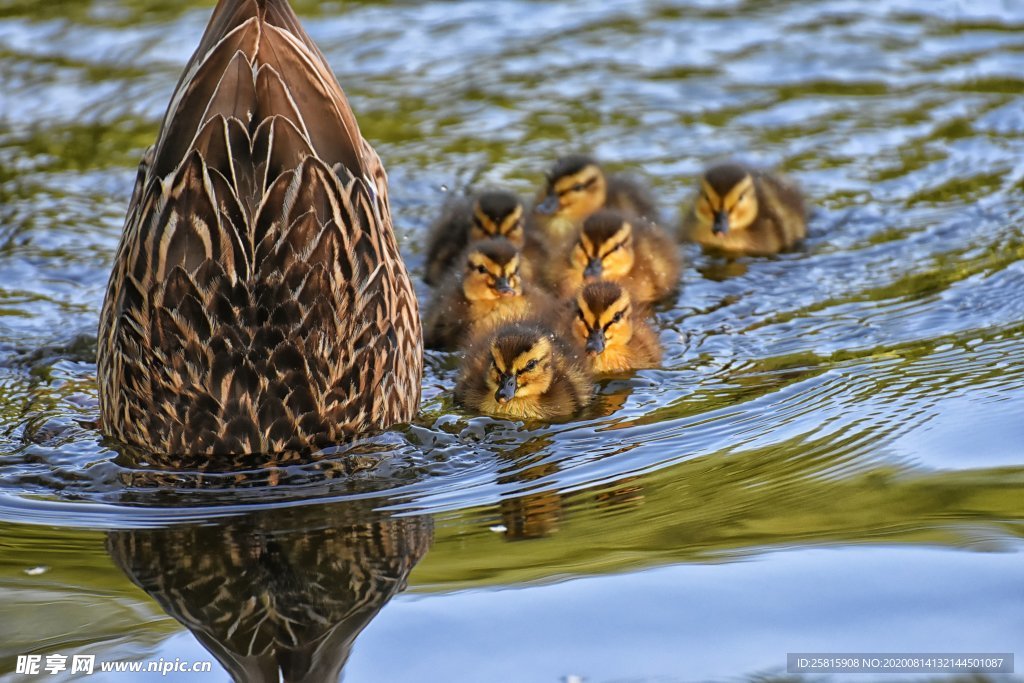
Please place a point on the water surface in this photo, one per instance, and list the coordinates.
(828, 460)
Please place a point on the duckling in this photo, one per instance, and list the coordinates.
(635, 253)
(523, 371)
(491, 214)
(576, 188)
(613, 331)
(488, 291)
(739, 210)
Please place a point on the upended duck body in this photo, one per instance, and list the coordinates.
(258, 302)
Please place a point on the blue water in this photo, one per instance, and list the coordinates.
(829, 458)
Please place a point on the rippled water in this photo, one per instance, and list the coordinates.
(829, 460)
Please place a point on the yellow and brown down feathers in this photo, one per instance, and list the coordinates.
(523, 370)
(488, 290)
(492, 214)
(635, 253)
(740, 210)
(612, 330)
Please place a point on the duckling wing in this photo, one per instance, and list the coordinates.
(645, 345)
(447, 318)
(570, 391)
(448, 237)
(783, 206)
(471, 387)
(631, 197)
(689, 225)
(658, 263)
(258, 300)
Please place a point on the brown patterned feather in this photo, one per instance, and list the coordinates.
(278, 594)
(258, 302)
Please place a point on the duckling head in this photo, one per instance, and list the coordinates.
(604, 247)
(602, 317)
(728, 198)
(492, 271)
(521, 363)
(576, 188)
(497, 214)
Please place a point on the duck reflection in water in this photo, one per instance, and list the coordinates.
(279, 594)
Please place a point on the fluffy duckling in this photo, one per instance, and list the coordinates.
(612, 331)
(576, 188)
(491, 214)
(739, 210)
(635, 253)
(523, 371)
(488, 291)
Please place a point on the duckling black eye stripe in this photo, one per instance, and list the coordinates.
(618, 246)
(583, 319)
(538, 361)
(615, 318)
(578, 187)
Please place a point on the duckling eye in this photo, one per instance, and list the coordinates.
(532, 365)
(579, 187)
(617, 317)
(481, 270)
(614, 249)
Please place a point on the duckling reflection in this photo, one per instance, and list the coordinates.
(532, 515)
(277, 594)
(537, 511)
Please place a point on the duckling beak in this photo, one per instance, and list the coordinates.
(593, 269)
(721, 224)
(548, 206)
(503, 287)
(595, 341)
(506, 390)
